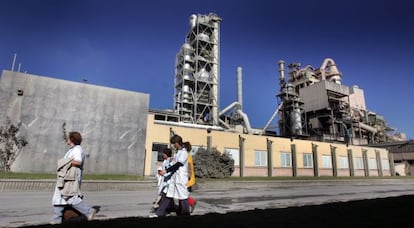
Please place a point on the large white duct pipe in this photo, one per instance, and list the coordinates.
(245, 120)
(366, 127)
(239, 87)
(182, 124)
(232, 105)
(333, 70)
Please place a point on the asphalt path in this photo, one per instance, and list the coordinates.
(34, 208)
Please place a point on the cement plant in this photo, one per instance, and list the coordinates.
(312, 101)
(312, 104)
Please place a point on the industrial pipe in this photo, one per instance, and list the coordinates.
(232, 105)
(245, 120)
(239, 87)
(281, 71)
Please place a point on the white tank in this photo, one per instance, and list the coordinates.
(186, 46)
(203, 74)
(193, 21)
(187, 66)
(296, 121)
(187, 57)
(203, 37)
(186, 76)
(186, 89)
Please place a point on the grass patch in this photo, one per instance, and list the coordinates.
(10, 175)
(310, 178)
(113, 177)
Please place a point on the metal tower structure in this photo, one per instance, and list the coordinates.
(291, 115)
(315, 105)
(196, 95)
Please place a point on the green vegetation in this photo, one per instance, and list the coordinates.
(11, 144)
(302, 178)
(113, 177)
(10, 175)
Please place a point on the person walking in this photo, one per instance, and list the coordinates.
(163, 178)
(191, 176)
(176, 196)
(69, 179)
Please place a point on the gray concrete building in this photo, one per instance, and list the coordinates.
(113, 123)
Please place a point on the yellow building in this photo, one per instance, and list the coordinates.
(257, 155)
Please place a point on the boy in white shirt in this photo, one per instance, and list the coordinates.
(163, 178)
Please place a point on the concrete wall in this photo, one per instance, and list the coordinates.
(112, 122)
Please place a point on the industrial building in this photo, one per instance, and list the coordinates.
(312, 101)
(322, 125)
(197, 72)
(314, 104)
(257, 155)
(313, 107)
(402, 154)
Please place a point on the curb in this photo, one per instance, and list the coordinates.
(12, 185)
(87, 185)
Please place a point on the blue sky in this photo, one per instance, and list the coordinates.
(132, 45)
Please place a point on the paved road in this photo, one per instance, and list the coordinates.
(32, 208)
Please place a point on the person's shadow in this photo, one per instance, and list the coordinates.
(70, 214)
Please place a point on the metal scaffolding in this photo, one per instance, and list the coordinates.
(196, 96)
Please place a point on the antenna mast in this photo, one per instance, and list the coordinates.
(14, 61)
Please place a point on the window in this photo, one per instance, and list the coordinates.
(234, 153)
(285, 159)
(260, 158)
(159, 147)
(326, 161)
(385, 164)
(343, 162)
(372, 163)
(359, 163)
(307, 160)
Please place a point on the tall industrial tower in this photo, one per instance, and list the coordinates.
(196, 97)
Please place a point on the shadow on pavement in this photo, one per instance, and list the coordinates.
(382, 212)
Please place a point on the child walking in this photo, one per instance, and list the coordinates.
(163, 178)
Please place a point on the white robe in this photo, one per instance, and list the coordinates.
(177, 187)
(77, 154)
